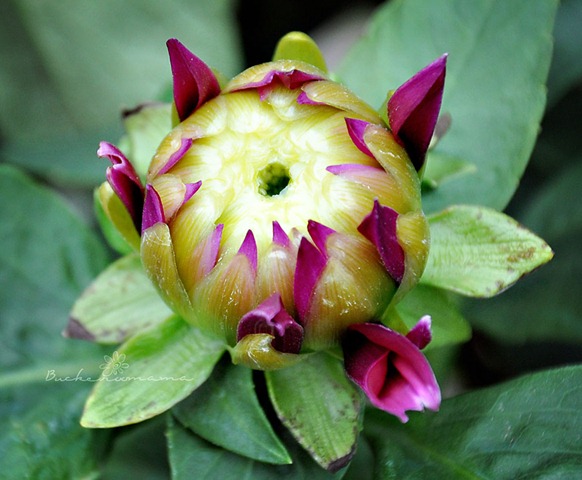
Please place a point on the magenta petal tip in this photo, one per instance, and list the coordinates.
(414, 108)
(380, 227)
(421, 333)
(319, 234)
(194, 81)
(270, 317)
(310, 265)
(248, 248)
(153, 210)
(279, 235)
(390, 369)
(356, 130)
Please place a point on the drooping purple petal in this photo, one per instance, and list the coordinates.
(124, 181)
(319, 234)
(310, 265)
(153, 210)
(390, 369)
(356, 130)
(270, 317)
(380, 228)
(194, 81)
(421, 333)
(185, 145)
(279, 235)
(291, 79)
(248, 248)
(414, 108)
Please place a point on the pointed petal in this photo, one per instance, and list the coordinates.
(153, 210)
(390, 369)
(279, 235)
(414, 107)
(124, 180)
(271, 318)
(209, 249)
(299, 46)
(421, 334)
(185, 145)
(356, 129)
(194, 82)
(380, 228)
(310, 265)
(319, 234)
(249, 249)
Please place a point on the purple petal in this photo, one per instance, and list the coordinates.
(153, 210)
(185, 145)
(353, 170)
(390, 369)
(414, 107)
(191, 189)
(270, 317)
(124, 181)
(310, 265)
(319, 234)
(303, 99)
(209, 255)
(194, 82)
(421, 334)
(249, 249)
(356, 130)
(279, 235)
(291, 79)
(380, 228)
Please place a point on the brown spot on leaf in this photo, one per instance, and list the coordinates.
(75, 329)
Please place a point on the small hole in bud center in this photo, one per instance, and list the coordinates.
(273, 179)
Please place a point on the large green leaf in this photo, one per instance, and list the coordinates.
(544, 306)
(320, 407)
(47, 256)
(193, 457)
(70, 66)
(499, 56)
(527, 428)
(226, 411)
(150, 373)
(119, 303)
(479, 252)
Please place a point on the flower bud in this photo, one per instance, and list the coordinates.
(282, 207)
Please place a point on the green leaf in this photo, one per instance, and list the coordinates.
(319, 406)
(48, 255)
(494, 91)
(155, 370)
(70, 66)
(119, 303)
(479, 252)
(526, 428)
(193, 457)
(226, 411)
(43, 440)
(544, 306)
(449, 327)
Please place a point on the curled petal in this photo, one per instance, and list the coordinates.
(421, 334)
(414, 107)
(124, 181)
(271, 318)
(390, 369)
(356, 130)
(310, 265)
(153, 210)
(194, 82)
(380, 228)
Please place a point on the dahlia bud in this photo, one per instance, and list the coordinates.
(281, 214)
